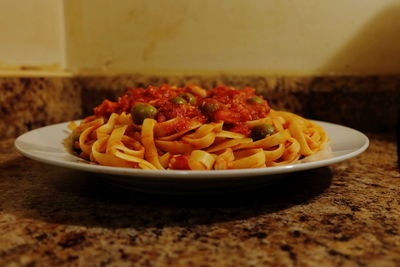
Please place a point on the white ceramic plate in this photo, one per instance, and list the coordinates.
(46, 145)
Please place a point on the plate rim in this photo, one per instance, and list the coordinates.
(189, 174)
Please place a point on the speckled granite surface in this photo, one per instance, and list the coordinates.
(347, 214)
(28, 103)
(367, 103)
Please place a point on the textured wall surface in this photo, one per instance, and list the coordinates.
(32, 35)
(285, 37)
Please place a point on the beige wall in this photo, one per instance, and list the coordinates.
(32, 35)
(201, 36)
(245, 36)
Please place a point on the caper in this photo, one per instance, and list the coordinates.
(255, 99)
(178, 100)
(261, 131)
(209, 107)
(191, 99)
(142, 111)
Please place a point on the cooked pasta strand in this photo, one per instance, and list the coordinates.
(191, 128)
(148, 141)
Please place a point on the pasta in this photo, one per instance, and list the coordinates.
(190, 128)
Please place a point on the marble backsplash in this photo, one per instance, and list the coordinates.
(367, 103)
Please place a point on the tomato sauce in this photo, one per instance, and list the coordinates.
(180, 162)
(222, 103)
(234, 105)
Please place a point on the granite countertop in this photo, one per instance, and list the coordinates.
(347, 214)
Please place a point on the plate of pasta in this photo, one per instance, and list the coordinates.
(169, 133)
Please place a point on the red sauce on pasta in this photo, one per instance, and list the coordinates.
(235, 105)
(219, 104)
(180, 162)
(190, 128)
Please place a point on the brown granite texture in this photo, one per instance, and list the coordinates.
(367, 103)
(28, 103)
(347, 214)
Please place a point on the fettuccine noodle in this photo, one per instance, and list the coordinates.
(194, 129)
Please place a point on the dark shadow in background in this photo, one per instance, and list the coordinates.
(370, 101)
(72, 197)
(376, 41)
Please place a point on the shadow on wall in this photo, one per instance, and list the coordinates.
(368, 102)
(378, 43)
